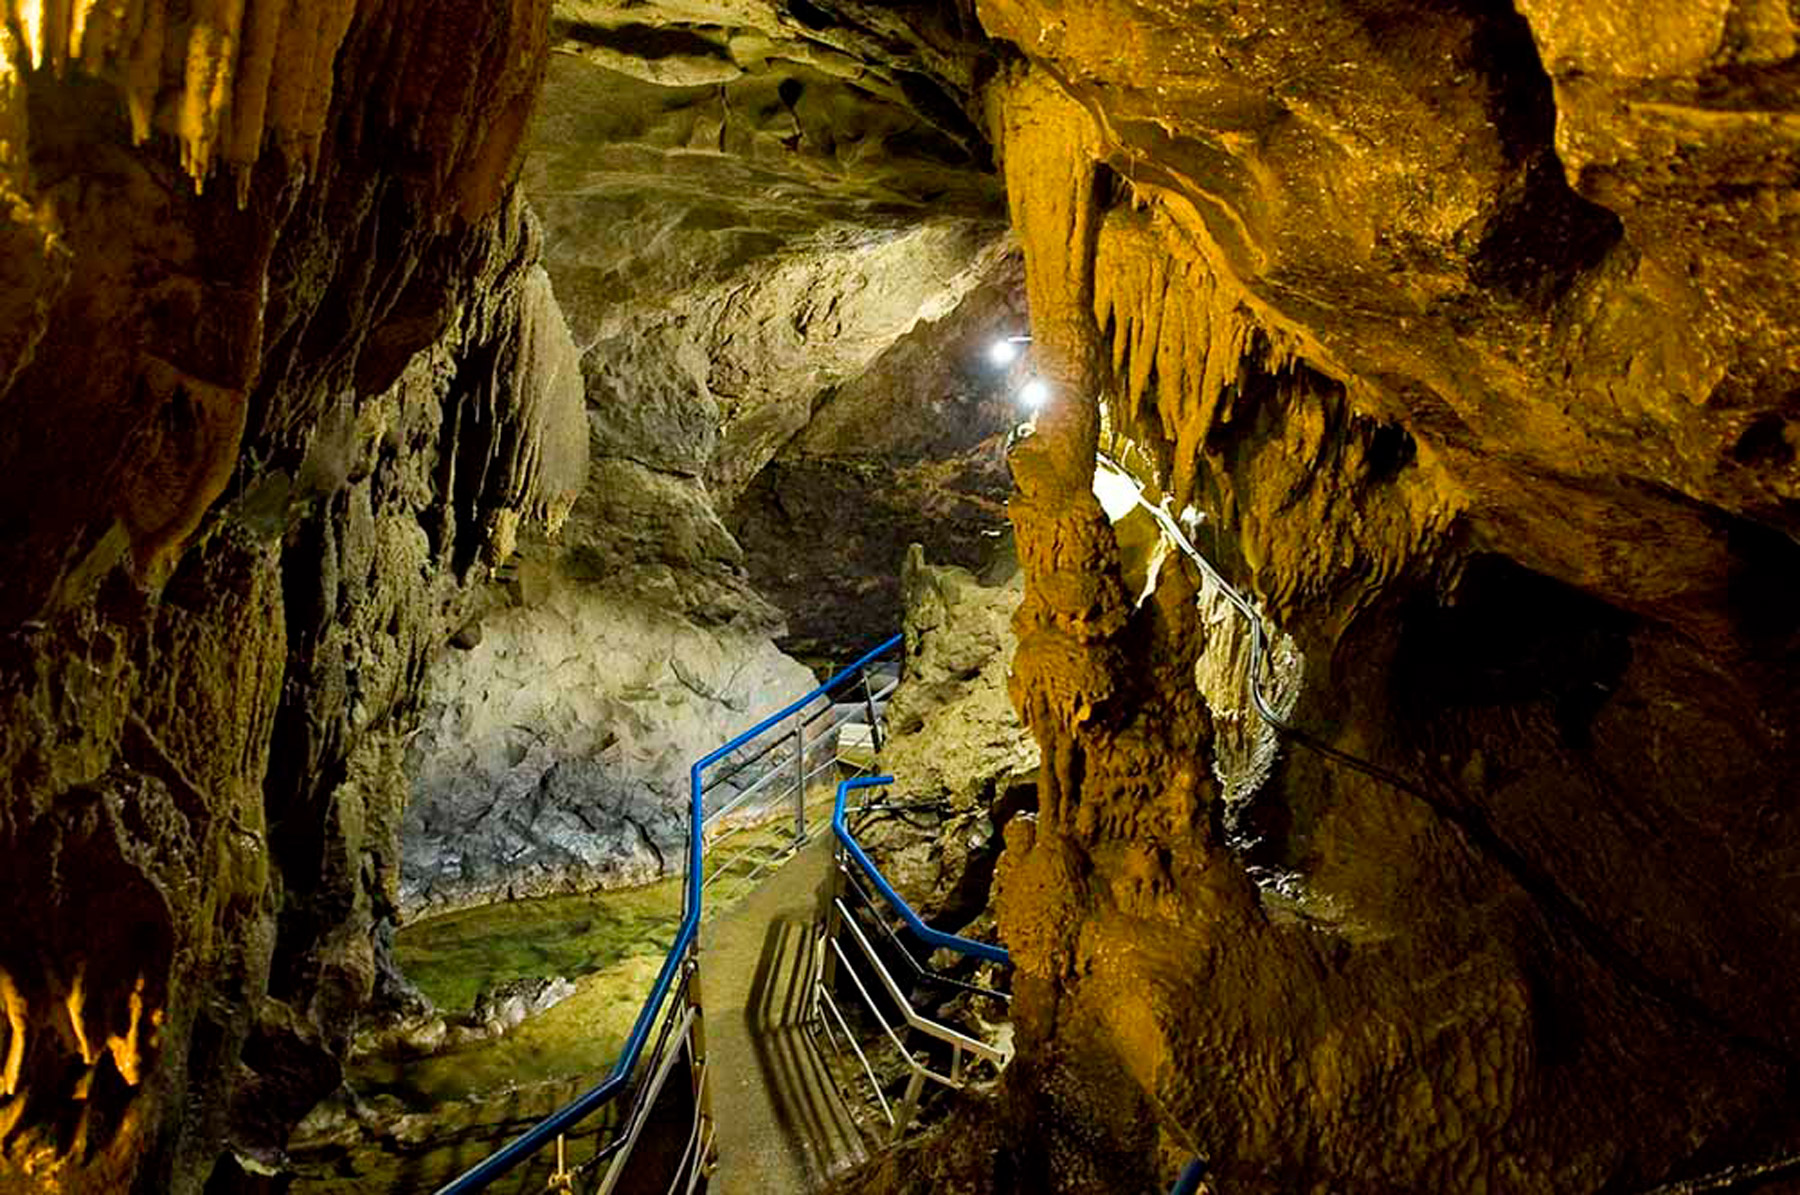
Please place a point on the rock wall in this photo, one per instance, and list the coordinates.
(263, 429)
(556, 751)
(770, 224)
(912, 450)
(773, 223)
(963, 763)
(554, 754)
(1439, 316)
(952, 730)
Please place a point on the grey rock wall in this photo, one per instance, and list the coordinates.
(554, 754)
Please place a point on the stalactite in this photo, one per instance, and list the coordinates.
(79, 22)
(262, 35)
(252, 73)
(15, 120)
(72, 1005)
(211, 63)
(334, 25)
(143, 69)
(293, 82)
(53, 35)
(1179, 336)
(1052, 167)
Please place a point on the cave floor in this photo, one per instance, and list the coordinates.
(782, 1127)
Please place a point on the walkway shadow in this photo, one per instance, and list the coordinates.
(805, 1099)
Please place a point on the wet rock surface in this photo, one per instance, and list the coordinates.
(1416, 309)
(247, 473)
(911, 451)
(554, 755)
(578, 825)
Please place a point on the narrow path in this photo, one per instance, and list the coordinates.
(782, 1128)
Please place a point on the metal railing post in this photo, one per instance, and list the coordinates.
(563, 1180)
(826, 976)
(874, 718)
(799, 778)
(702, 1077)
(909, 1106)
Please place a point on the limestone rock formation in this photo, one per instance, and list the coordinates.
(771, 223)
(747, 206)
(259, 436)
(554, 755)
(964, 764)
(1464, 329)
(682, 141)
(1443, 317)
(913, 450)
(952, 729)
(766, 231)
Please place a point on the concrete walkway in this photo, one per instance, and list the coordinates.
(782, 1127)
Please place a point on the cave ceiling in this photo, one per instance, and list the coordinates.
(679, 142)
(756, 214)
(1555, 244)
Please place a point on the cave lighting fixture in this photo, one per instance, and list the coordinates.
(1005, 351)
(1035, 393)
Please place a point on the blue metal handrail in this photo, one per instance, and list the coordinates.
(1193, 1174)
(937, 939)
(547, 1130)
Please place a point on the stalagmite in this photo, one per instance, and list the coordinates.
(73, 1008)
(16, 1028)
(127, 1048)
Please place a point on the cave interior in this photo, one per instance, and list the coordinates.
(1335, 463)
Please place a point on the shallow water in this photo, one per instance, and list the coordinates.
(451, 957)
(611, 944)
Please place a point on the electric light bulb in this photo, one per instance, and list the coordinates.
(1003, 352)
(1035, 393)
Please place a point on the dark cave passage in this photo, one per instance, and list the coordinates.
(1330, 467)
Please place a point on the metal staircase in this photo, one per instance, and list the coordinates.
(647, 1125)
(878, 972)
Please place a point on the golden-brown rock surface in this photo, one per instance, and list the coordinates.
(271, 336)
(1469, 332)
(1466, 329)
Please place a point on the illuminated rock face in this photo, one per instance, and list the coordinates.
(276, 391)
(1468, 330)
(1466, 326)
(778, 243)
